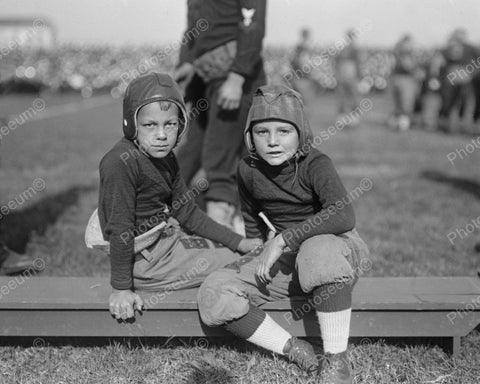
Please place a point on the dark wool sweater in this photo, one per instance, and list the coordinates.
(225, 23)
(302, 199)
(136, 194)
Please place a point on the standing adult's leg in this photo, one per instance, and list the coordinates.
(476, 92)
(447, 94)
(409, 91)
(223, 142)
(341, 96)
(189, 153)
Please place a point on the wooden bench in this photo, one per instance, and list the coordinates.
(426, 307)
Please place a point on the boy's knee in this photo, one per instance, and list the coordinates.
(221, 299)
(323, 260)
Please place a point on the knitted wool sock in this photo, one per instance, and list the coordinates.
(260, 329)
(333, 304)
(335, 328)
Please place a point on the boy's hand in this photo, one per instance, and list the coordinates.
(230, 92)
(248, 245)
(272, 250)
(184, 74)
(122, 304)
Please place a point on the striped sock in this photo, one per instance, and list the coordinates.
(260, 329)
(333, 304)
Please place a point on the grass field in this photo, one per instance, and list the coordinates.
(417, 198)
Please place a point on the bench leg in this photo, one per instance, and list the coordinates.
(451, 345)
(455, 345)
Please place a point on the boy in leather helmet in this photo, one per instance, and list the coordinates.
(292, 196)
(142, 194)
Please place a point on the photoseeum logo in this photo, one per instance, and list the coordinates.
(38, 25)
(38, 185)
(464, 232)
(15, 282)
(29, 114)
(462, 153)
(317, 61)
(308, 226)
(158, 59)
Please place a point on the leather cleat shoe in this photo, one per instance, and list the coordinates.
(13, 263)
(301, 352)
(335, 369)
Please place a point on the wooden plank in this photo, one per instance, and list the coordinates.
(443, 307)
(418, 293)
(167, 323)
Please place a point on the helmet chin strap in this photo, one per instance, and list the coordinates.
(135, 141)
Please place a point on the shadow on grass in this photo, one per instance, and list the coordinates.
(203, 372)
(466, 185)
(17, 227)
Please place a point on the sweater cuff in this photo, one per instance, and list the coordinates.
(122, 285)
(292, 239)
(234, 242)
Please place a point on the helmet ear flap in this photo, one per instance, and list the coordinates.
(249, 141)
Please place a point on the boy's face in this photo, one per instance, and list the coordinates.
(157, 129)
(275, 141)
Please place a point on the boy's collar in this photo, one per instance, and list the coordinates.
(286, 167)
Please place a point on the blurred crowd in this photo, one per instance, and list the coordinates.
(452, 71)
(412, 73)
(415, 77)
(86, 69)
(94, 69)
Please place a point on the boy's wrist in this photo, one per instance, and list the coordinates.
(280, 241)
(120, 290)
(236, 77)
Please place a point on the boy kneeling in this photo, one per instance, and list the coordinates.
(316, 251)
(142, 190)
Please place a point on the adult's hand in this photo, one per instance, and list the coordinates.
(183, 75)
(122, 304)
(230, 92)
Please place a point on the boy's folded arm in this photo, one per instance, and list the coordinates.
(117, 205)
(336, 215)
(197, 221)
(330, 220)
(191, 217)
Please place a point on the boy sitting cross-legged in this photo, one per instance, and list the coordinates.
(313, 248)
(142, 190)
